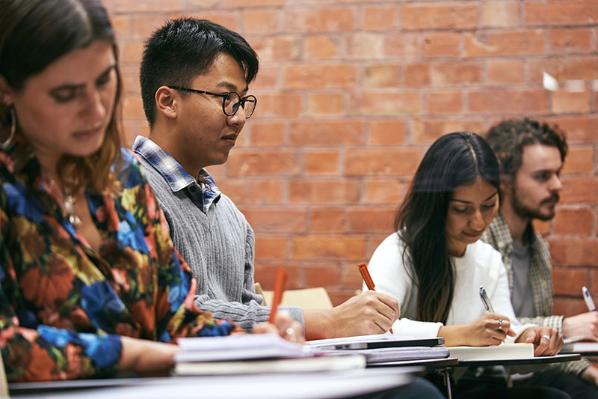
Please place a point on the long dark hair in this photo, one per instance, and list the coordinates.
(36, 33)
(454, 160)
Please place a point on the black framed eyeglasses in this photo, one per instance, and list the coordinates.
(231, 101)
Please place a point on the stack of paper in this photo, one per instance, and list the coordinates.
(249, 354)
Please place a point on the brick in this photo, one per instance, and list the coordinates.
(561, 12)
(237, 3)
(321, 275)
(542, 227)
(280, 105)
(566, 68)
(444, 102)
(325, 103)
(580, 190)
(499, 14)
(325, 19)
(285, 48)
(579, 160)
(417, 75)
(251, 163)
(569, 280)
(569, 40)
(383, 75)
(328, 220)
(121, 25)
(383, 191)
(260, 21)
(386, 103)
(321, 163)
(593, 282)
(230, 20)
(320, 47)
(127, 6)
(265, 274)
(386, 162)
(130, 80)
(327, 133)
(309, 76)
(400, 44)
(386, 132)
(444, 44)
(329, 191)
(486, 44)
(428, 130)
(264, 192)
(338, 297)
(569, 306)
(579, 129)
(328, 247)
(278, 219)
(505, 71)
(364, 45)
(574, 221)
(379, 18)
(574, 251)
(350, 276)
(443, 15)
(570, 102)
(368, 220)
(373, 241)
(267, 78)
(268, 247)
(266, 134)
(508, 101)
(451, 73)
(133, 107)
(233, 188)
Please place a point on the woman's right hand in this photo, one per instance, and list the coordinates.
(146, 358)
(490, 329)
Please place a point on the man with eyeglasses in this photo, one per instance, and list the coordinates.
(194, 84)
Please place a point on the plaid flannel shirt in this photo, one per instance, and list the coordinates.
(540, 278)
(177, 177)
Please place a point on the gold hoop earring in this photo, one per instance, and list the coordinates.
(13, 130)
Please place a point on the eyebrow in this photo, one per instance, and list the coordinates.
(231, 87)
(469, 202)
(72, 86)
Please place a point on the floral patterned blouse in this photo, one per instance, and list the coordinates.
(64, 305)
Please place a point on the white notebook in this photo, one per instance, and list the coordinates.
(298, 365)
(505, 351)
(238, 347)
(373, 341)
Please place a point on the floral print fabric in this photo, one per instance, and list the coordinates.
(63, 305)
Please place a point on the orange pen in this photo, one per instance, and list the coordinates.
(279, 283)
(365, 275)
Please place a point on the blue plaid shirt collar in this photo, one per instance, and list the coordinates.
(173, 172)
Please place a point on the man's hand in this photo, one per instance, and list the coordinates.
(370, 312)
(591, 374)
(583, 325)
(547, 341)
(284, 325)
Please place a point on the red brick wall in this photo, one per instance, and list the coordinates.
(351, 92)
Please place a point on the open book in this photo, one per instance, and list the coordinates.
(505, 351)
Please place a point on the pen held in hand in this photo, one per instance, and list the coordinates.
(486, 300)
(367, 278)
(279, 284)
(587, 297)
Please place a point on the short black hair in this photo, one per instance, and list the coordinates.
(184, 48)
(511, 136)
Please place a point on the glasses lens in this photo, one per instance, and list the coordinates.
(231, 103)
(249, 103)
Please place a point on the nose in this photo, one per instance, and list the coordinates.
(555, 183)
(94, 109)
(239, 118)
(476, 221)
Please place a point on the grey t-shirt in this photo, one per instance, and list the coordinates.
(522, 293)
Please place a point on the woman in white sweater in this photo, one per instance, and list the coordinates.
(434, 264)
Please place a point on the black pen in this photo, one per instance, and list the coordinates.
(486, 300)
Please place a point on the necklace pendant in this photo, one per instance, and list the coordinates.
(74, 219)
(69, 207)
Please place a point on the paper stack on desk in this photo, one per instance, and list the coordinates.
(255, 353)
(505, 351)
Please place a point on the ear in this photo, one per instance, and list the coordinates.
(166, 100)
(6, 92)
